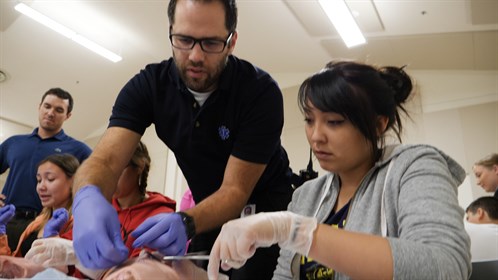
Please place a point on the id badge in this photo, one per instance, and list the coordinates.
(249, 209)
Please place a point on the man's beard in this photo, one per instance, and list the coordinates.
(201, 85)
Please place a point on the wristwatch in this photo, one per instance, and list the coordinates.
(188, 221)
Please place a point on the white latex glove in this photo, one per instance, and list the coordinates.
(239, 239)
(55, 251)
(51, 252)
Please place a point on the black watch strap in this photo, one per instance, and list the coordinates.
(188, 221)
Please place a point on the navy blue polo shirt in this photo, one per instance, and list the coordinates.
(243, 117)
(21, 155)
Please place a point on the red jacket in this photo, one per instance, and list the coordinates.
(130, 218)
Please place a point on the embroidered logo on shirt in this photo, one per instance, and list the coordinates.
(224, 132)
(58, 150)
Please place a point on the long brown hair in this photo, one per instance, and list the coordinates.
(141, 158)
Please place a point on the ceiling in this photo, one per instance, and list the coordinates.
(290, 39)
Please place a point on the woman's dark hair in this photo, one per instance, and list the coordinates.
(141, 158)
(360, 93)
(230, 12)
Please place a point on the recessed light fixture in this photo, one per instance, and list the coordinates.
(67, 32)
(343, 21)
(3, 76)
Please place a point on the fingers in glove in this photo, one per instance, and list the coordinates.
(6, 213)
(61, 214)
(214, 261)
(36, 254)
(166, 241)
(164, 232)
(149, 230)
(99, 252)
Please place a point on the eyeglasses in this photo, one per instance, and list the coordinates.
(208, 45)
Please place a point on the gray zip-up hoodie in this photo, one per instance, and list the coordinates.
(423, 219)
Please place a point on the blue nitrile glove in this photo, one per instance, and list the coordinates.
(54, 225)
(96, 230)
(6, 213)
(164, 232)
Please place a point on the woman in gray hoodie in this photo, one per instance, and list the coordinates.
(381, 212)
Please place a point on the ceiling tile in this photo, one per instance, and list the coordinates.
(486, 50)
(484, 11)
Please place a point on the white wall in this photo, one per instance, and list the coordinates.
(467, 131)
(446, 113)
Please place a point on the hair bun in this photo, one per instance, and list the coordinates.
(398, 81)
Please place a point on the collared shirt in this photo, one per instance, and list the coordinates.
(21, 155)
(483, 241)
(243, 118)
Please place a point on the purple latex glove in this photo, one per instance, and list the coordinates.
(54, 225)
(96, 230)
(6, 213)
(163, 232)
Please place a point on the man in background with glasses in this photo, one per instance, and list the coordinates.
(221, 116)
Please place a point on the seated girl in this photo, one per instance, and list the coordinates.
(133, 203)
(54, 181)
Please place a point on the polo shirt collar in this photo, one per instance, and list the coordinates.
(59, 136)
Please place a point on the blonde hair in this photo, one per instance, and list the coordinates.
(488, 161)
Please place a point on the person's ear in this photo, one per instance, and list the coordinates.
(233, 41)
(382, 122)
(495, 169)
(140, 167)
(481, 214)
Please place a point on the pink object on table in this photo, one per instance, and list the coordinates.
(187, 201)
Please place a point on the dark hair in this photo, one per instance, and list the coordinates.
(67, 162)
(360, 93)
(141, 156)
(230, 13)
(488, 161)
(62, 94)
(486, 203)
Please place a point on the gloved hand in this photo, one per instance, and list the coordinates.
(239, 239)
(54, 225)
(6, 213)
(164, 232)
(96, 230)
(52, 252)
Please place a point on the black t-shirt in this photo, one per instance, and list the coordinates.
(243, 118)
(312, 270)
(26, 244)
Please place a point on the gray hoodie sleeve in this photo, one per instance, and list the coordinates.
(427, 235)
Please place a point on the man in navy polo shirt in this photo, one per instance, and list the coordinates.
(22, 153)
(221, 116)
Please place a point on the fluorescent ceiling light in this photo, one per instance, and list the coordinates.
(67, 32)
(343, 21)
